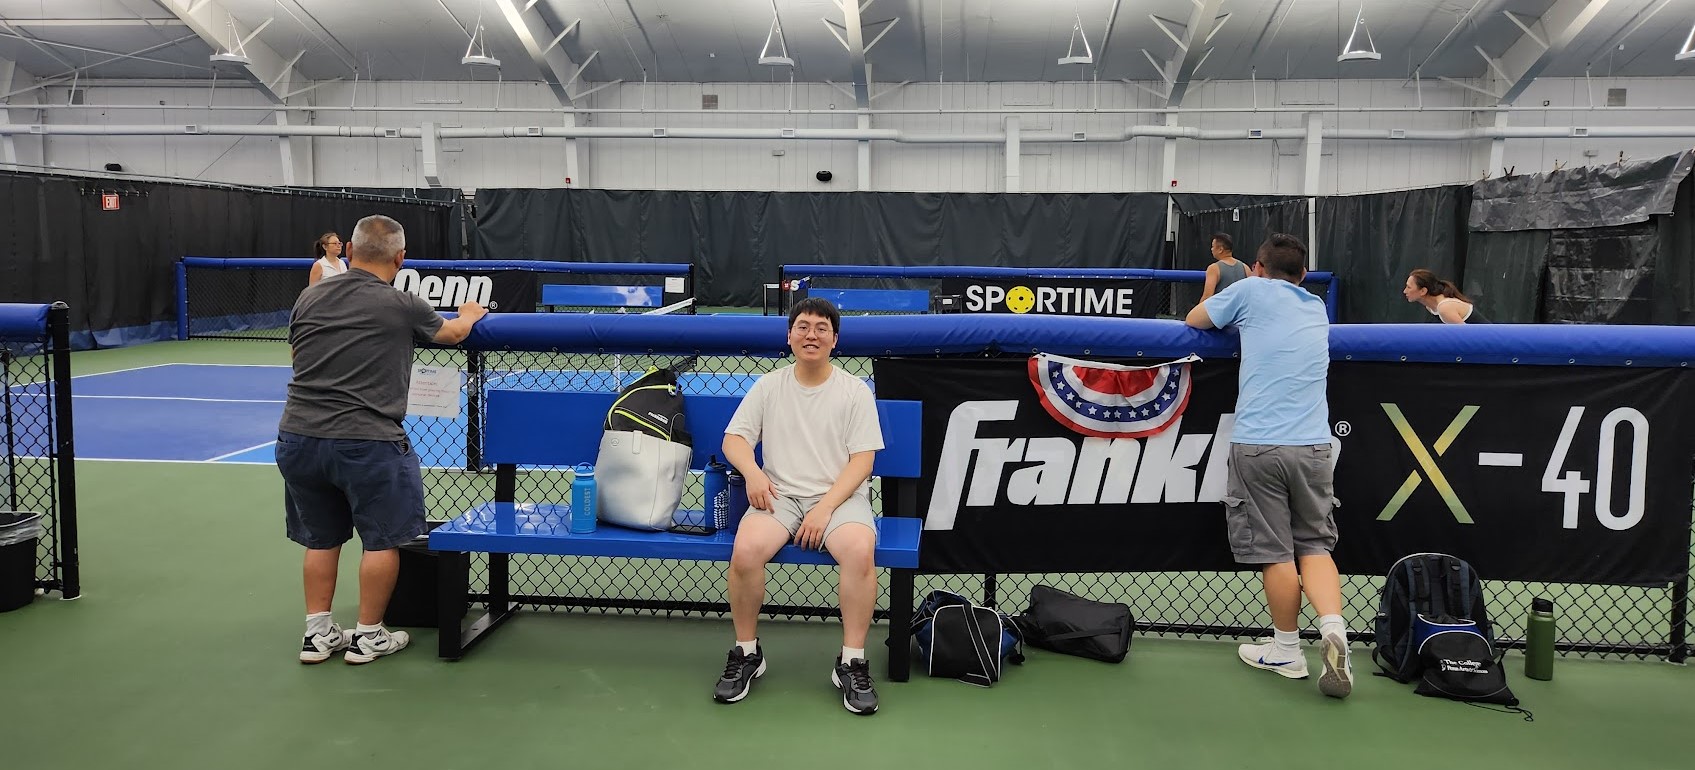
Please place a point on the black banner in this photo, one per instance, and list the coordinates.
(1548, 474)
(1568, 475)
(501, 291)
(1007, 489)
(1054, 296)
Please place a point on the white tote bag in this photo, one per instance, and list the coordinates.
(639, 479)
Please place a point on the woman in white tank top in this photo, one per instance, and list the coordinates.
(1441, 298)
(328, 248)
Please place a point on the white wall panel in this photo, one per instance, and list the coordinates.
(1249, 166)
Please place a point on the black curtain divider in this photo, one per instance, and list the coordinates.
(1674, 292)
(1373, 241)
(737, 240)
(1503, 273)
(116, 269)
(1246, 219)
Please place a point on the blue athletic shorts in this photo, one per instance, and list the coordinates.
(332, 486)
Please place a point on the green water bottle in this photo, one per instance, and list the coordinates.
(1539, 640)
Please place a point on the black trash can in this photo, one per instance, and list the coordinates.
(413, 603)
(19, 534)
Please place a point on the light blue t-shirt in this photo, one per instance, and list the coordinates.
(1285, 361)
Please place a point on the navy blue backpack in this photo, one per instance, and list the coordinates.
(960, 639)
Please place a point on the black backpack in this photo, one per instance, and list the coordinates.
(653, 404)
(1434, 585)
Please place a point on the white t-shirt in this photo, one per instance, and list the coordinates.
(808, 433)
(331, 267)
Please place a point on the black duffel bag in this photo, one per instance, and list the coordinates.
(1060, 622)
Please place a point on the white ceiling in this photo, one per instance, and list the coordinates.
(949, 40)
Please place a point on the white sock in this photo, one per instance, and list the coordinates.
(1288, 643)
(318, 623)
(1328, 624)
(853, 653)
(364, 629)
(748, 648)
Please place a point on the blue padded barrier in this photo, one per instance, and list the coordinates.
(1565, 345)
(23, 321)
(540, 266)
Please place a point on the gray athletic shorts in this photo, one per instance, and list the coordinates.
(1279, 502)
(788, 511)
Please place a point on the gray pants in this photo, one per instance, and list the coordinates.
(1279, 502)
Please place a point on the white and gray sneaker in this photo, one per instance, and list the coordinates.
(317, 648)
(1265, 656)
(370, 646)
(1337, 678)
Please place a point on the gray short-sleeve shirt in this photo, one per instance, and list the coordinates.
(353, 338)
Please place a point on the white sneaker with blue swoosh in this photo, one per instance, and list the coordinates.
(1268, 657)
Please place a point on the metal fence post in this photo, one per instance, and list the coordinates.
(64, 450)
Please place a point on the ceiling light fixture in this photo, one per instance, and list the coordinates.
(236, 52)
(478, 44)
(781, 58)
(1071, 57)
(1367, 52)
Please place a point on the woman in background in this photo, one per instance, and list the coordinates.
(328, 248)
(1442, 298)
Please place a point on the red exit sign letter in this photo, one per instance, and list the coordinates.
(109, 201)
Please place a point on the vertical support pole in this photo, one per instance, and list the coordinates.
(863, 172)
(296, 155)
(431, 164)
(182, 300)
(1170, 182)
(1013, 172)
(989, 590)
(64, 452)
(1309, 183)
(1498, 145)
(8, 143)
(474, 391)
(573, 173)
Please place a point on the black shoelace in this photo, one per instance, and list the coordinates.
(733, 668)
(859, 676)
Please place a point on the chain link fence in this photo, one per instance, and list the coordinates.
(38, 476)
(1594, 620)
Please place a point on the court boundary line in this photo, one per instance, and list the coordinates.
(165, 398)
(221, 457)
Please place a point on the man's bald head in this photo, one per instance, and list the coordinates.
(377, 240)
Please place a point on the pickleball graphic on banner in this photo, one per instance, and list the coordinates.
(1111, 400)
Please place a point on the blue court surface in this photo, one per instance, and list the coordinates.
(217, 413)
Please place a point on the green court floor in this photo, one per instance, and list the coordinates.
(181, 655)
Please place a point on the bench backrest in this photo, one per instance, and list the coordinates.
(573, 295)
(551, 427)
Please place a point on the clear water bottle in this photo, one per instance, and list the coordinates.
(583, 500)
(717, 493)
(1539, 636)
(737, 499)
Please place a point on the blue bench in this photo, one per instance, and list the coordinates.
(558, 428)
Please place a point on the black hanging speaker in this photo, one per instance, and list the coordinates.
(825, 176)
(115, 167)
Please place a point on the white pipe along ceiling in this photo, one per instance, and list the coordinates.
(852, 134)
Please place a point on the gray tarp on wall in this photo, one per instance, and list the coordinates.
(736, 240)
(1587, 196)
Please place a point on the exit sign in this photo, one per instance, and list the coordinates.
(109, 201)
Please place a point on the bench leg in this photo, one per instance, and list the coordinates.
(900, 624)
(453, 600)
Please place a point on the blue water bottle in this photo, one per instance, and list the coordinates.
(717, 497)
(737, 501)
(583, 500)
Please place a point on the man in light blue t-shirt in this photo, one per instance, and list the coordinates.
(1279, 498)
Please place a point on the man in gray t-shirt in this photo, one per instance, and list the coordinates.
(343, 455)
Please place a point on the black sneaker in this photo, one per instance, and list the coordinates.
(853, 678)
(739, 672)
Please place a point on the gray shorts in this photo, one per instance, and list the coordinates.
(788, 511)
(1279, 502)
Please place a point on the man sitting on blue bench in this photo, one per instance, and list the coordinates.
(819, 428)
